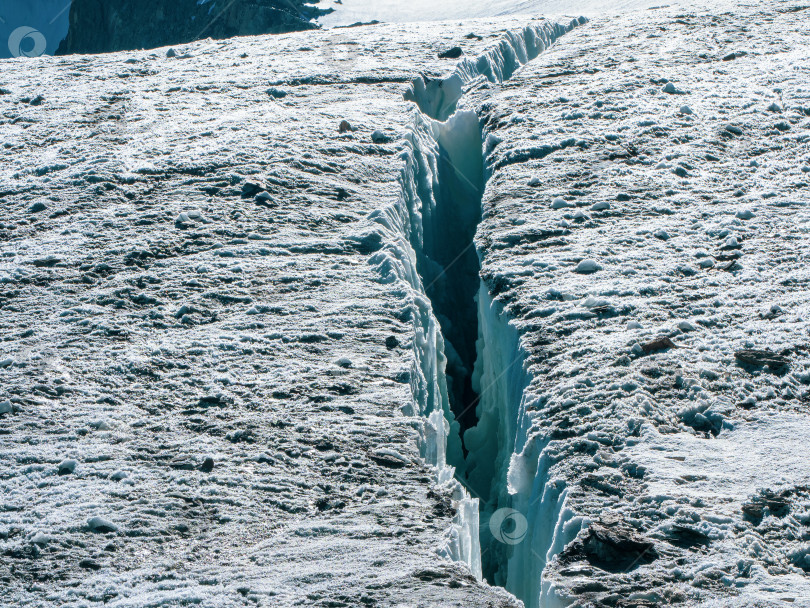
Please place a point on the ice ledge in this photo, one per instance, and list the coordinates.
(439, 98)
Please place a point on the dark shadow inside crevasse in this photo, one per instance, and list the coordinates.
(450, 266)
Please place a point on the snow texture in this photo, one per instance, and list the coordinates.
(347, 12)
(244, 331)
(644, 423)
(196, 310)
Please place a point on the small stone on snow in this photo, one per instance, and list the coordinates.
(380, 137)
(600, 206)
(40, 539)
(67, 467)
(686, 326)
(263, 198)
(588, 266)
(101, 525)
(276, 93)
(452, 53)
(559, 203)
(744, 214)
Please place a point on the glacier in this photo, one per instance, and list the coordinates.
(526, 328)
(348, 12)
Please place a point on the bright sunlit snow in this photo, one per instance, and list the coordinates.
(395, 11)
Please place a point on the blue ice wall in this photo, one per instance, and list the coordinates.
(32, 27)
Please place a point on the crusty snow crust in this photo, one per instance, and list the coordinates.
(223, 375)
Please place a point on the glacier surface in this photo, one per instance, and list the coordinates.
(377, 328)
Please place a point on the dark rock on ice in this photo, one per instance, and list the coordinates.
(380, 137)
(264, 199)
(215, 400)
(251, 188)
(183, 464)
(388, 459)
(687, 537)
(612, 545)
(766, 501)
(452, 53)
(762, 358)
(672, 89)
(101, 525)
(47, 262)
(67, 467)
(659, 344)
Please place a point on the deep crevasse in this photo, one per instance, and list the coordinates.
(428, 244)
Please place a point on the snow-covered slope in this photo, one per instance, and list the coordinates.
(347, 12)
(253, 293)
(644, 231)
(217, 393)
